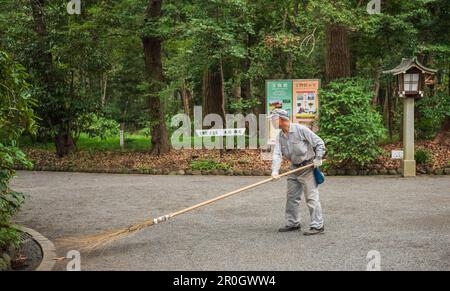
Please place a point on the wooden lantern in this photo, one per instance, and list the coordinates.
(411, 78)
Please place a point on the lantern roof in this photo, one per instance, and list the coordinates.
(407, 64)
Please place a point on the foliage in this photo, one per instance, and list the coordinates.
(98, 58)
(423, 156)
(16, 113)
(145, 132)
(64, 60)
(16, 117)
(241, 105)
(208, 165)
(10, 201)
(432, 112)
(349, 124)
(98, 126)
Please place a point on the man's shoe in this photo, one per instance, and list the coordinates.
(314, 231)
(289, 228)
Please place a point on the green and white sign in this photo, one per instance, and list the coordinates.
(279, 95)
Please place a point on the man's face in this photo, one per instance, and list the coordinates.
(280, 123)
(284, 123)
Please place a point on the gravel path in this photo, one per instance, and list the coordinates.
(406, 219)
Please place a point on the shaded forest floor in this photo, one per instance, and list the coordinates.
(233, 162)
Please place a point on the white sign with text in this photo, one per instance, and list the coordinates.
(397, 154)
(221, 132)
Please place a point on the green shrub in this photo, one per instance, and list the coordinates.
(10, 201)
(241, 105)
(423, 156)
(349, 124)
(98, 126)
(145, 132)
(432, 111)
(208, 165)
(16, 117)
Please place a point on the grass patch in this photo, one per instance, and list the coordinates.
(133, 142)
(209, 165)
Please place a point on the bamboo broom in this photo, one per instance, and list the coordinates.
(91, 242)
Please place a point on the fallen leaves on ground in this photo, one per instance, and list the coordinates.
(440, 156)
(244, 160)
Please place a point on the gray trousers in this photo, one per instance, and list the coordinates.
(296, 186)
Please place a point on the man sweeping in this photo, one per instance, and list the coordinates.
(301, 146)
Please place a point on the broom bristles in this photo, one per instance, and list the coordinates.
(92, 242)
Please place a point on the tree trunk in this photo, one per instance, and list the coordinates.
(185, 96)
(246, 81)
(376, 91)
(289, 66)
(43, 54)
(50, 79)
(246, 85)
(64, 144)
(388, 109)
(337, 59)
(103, 85)
(376, 88)
(213, 91)
(155, 77)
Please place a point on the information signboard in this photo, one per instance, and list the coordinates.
(305, 99)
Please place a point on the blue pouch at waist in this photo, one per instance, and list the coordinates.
(319, 176)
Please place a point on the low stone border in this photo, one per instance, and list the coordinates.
(229, 172)
(47, 247)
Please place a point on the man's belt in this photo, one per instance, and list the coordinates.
(304, 163)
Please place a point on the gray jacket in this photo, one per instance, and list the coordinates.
(301, 144)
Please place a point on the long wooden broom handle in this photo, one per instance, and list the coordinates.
(232, 193)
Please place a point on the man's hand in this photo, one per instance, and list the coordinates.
(317, 163)
(275, 177)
